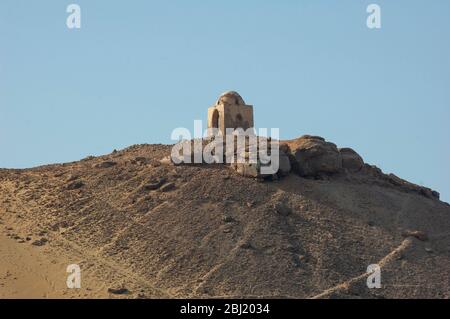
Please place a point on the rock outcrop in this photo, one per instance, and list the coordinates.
(351, 160)
(313, 156)
(307, 156)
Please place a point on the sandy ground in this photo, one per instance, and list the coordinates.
(33, 272)
(26, 273)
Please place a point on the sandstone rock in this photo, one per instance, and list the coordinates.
(313, 155)
(351, 160)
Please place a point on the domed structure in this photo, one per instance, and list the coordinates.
(230, 111)
(230, 97)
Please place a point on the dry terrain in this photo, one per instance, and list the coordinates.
(140, 228)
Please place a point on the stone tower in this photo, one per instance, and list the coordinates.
(230, 111)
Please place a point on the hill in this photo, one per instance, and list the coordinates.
(142, 228)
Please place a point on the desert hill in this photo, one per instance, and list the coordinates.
(142, 228)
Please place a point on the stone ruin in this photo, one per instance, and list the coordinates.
(307, 156)
(230, 111)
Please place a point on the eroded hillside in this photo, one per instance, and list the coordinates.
(160, 230)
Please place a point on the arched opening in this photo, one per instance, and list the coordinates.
(215, 119)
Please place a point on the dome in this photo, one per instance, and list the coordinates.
(230, 97)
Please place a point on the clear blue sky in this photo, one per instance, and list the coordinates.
(138, 69)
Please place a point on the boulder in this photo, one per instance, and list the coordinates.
(314, 156)
(351, 160)
(285, 164)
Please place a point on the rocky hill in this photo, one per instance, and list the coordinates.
(140, 227)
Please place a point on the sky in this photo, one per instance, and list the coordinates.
(136, 70)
